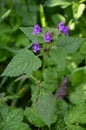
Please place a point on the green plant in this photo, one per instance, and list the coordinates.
(33, 101)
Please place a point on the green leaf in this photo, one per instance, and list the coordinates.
(11, 118)
(22, 40)
(17, 126)
(14, 115)
(33, 37)
(52, 3)
(78, 76)
(71, 44)
(83, 48)
(45, 106)
(77, 57)
(73, 127)
(50, 80)
(32, 116)
(62, 109)
(77, 115)
(78, 10)
(57, 18)
(39, 37)
(58, 57)
(24, 62)
(79, 95)
(5, 15)
(3, 113)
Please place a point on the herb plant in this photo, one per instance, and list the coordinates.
(51, 88)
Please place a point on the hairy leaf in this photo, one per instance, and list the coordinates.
(24, 62)
(58, 57)
(77, 115)
(32, 116)
(62, 109)
(50, 79)
(11, 118)
(45, 106)
(79, 95)
(73, 127)
(33, 37)
(18, 126)
(70, 44)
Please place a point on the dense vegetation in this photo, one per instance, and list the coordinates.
(42, 82)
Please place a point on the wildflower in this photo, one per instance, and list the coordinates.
(36, 47)
(61, 26)
(64, 29)
(48, 37)
(37, 29)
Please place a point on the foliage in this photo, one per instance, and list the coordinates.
(30, 81)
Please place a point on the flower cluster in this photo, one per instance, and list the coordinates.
(64, 29)
(48, 36)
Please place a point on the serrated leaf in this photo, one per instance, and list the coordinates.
(3, 113)
(77, 115)
(32, 116)
(50, 78)
(17, 126)
(45, 106)
(33, 37)
(58, 57)
(79, 95)
(11, 118)
(71, 44)
(15, 115)
(24, 62)
(73, 127)
(39, 37)
(62, 109)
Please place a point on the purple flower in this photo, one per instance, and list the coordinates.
(64, 29)
(61, 25)
(37, 29)
(48, 37)
(36, 47)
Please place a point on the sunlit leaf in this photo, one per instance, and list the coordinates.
(52, 3)
(78, 10)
